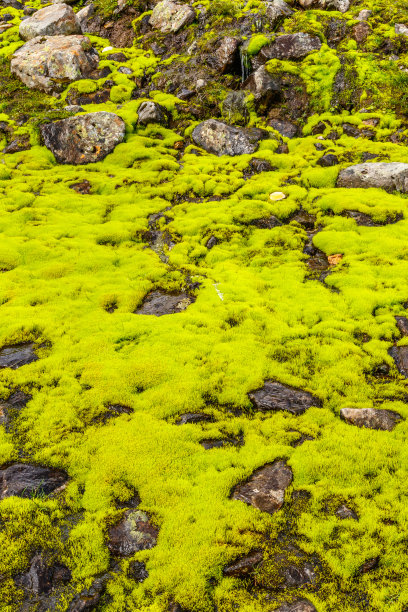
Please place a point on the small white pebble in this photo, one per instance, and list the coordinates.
(277, 195)
(107, 49)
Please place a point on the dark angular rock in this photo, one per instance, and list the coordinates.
(303, 438)
(369, 565)
(83, 139)
(222, 139)
(133, 533)
(304, 219)
(291, 46)
(193, 417)
(328, 160)
(299, 605)
(245, 565)
(276, 11)
(41, 577)
(117, 57)
(336, 31)
(285, 128)
(25, 480)
(227, 55)
(151, 112)
(276, 396)
(258, 165)
(88, 599)
(137, 571)
(265, 489)
(295, 576)
(402, 324)
(266, 222)
(235, 108)
(17, 355)
(371, 418)
(265, 88)
(400, 356)
(211, 242)
(343, 512)
(221, 443)
(158, 303)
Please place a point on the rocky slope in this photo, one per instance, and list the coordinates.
(203, 294)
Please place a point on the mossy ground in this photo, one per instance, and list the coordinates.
(65, 258)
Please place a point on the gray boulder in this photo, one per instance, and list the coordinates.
(276, 11)
(151, 112)
(328, 5)
(222, 139)
(53, 20)
(291, 46)
(266, 488)
(83, 139)
(391, 176)
(84, 15)
(168, 16)
(265, 88)
(48, 64)
(371, 418)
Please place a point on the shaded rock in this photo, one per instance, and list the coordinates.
(113, 410)
(304, 219)
(343, 512)
(151, 112)
(258, 165)
(158, 303)
(227, 55)
(235, 108)
(220, 443)
(391, 176)
(402, 325)
(285, 128)
(88, 599)
(137, 571)
(303, 438)
(299, 605)
(170, 16)
(193, 417)
(48, 64)
(222, 139)
(333, 5)
(361, 31)
(276, 11)
(84, 139)
(369, 565)
(371, 418)
(41, 577)
(295, 576)
(84, 187)
(25, 480)
(134, 532)
(10, 408)
(291, 46)
(328, 160)
(245, 565)
(17, 355)
(84, 15)
(20, 143)
(53, 20)
(211, 242)
(400, 356)
(277, 396)
(265, 88)
(336, 31)
(265, 489)
(117, 57)
(266, 222)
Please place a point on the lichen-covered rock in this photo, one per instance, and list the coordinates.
(328, 5)
(371, 418)
(277, 396)
(227, 55)
(391, 176)
(266, 488)
(276, 11)
(53, 20)
(151, 112)
(24, 480)
(83, 139)
(292, 46)
(168, 16)
(134, 532)
(222, 139)
(48, 64)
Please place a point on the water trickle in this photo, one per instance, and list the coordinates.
(245, 64)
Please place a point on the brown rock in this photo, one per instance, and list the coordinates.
(300, 605)
(245, 565)
(343, 512)
(158, 303)
(24, 480)
(227, 54)
(277, 396)
(292, 46)
(371, 418)
(265, 489)
(134, 532)
(17, 355)
(402, 324)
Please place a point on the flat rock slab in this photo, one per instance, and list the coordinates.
(49, 64)
(245, 565)
(371, 418)
(133, 533)
(170, 16)
(24, 480)
(277, 396)
(326, 5)
(17, 355)
(84, 139)
(53, 20)
(299, 605)
(292, 46)
(223, 139)
(158, 303)
(391, 176)
(265, 489)
(400, 356)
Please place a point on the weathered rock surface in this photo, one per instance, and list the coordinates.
(137, 571)
(227, 54)
(245, 565)
(11, 407)
(400, 356)
(343, 512)
(88, 599)
(402, 325)
(292, 46)
(285, 128)
(53, 20)
(276, 11)
(84, 15)
(170, 16)
(193, 417)
(151, 112)
(391, 176)
(276, 396)
(334, 5)
(84, 139)
(17, 355)
(41, 577)
(134, 532)
(265, 88)
(24, 480)
(48, 64)
(265, 489)
(222, 139)
(371, 418)
(158, 303)
(300, 605)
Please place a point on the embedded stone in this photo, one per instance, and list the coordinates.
(133, 533)
(170, 16)
(300, 605)
(292, 46)
(400, 356)
(158, 303)
(265, 488)
(151, 112)
(371, 418)
(277, 396)
(17, 355)
(53, 20)
(24, 480)
(245, 565)
(343, 512)
(276, 11)
(391, 176)
(328, 5)
(222, 139)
